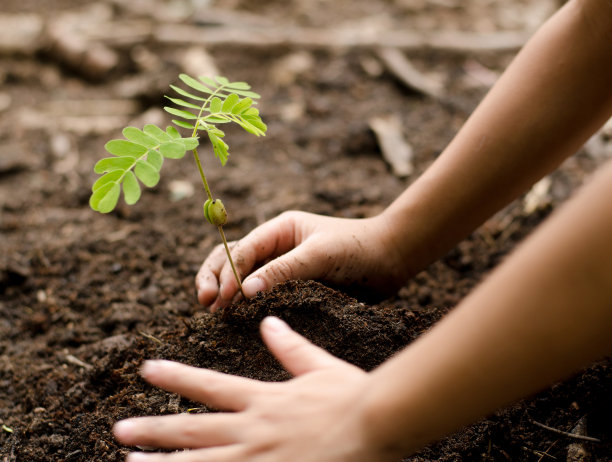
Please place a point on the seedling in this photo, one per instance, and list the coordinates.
(139, 157)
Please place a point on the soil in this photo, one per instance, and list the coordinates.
(85, 298)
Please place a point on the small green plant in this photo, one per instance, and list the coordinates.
(139, 157)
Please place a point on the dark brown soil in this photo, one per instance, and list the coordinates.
(85, 298)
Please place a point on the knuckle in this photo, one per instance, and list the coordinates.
(219, 250)
(292, 215)
(281, 270)
(191, 429)
(297, 348)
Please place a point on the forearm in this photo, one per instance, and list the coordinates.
(548, 102)
(542, 315)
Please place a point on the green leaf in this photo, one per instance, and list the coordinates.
(248, 94)
(98, 194)
(192, 143)
(242, 106)
(238, 86)
(108, 164)
(186, 94)
(139, 137)
(180, 102)
(109, 177)
(173, 150)
(215, 105)
(146, 173)
(253, 124)
(221, 153)
(125, 148)
(257, 122)
(217, 119)
(180, 113)
(215, 131)
(222, 80)
(250, 128)
(220, 148)
(156, 132)
(183, 124)
(131, 188)
(193, 83)
(230, 102)
(208, 81)
(105, 198)
(155, 159)
(252, 111)
(173, 132)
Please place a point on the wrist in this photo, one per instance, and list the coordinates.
(406, 238)
(381, 434)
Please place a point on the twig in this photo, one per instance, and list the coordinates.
(150, 337)
(400, 66)
(545, 453)
(568, 434)
(348, 37)
(538, 453)
(395, 149)
(77, 362)
(222, 17)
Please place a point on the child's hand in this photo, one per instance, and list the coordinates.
(299, 245)
(270, 421)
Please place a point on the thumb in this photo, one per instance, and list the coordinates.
(294, 352)
(302, 262)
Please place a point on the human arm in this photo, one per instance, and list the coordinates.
(544, 313)
(551, 98)
(551, 300)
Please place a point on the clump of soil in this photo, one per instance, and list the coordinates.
(68, 415)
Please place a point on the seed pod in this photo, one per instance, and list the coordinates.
(214, 212)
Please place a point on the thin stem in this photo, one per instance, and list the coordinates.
(195, 151)
(209, 194)
(207, 188)
(204, 182)
(568, 434)
(229, 257)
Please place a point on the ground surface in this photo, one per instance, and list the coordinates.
(84, 298)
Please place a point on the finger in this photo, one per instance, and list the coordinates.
(221, 391)
(207, 279)
(307, 261)
(294, 352)
(178, 431)
(267, 241)
(234, 453)
(221, 302)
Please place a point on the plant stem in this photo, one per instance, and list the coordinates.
(209, 193)
(204, 182)
(210, 196)
(227, 251)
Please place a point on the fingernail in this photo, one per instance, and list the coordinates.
(253, 285)
(275, 324)
(124, 429)
(137, 457)
(150, 367)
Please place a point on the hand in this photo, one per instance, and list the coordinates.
(314, 417)
(299, 245)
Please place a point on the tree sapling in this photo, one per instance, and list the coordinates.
(139, 157)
